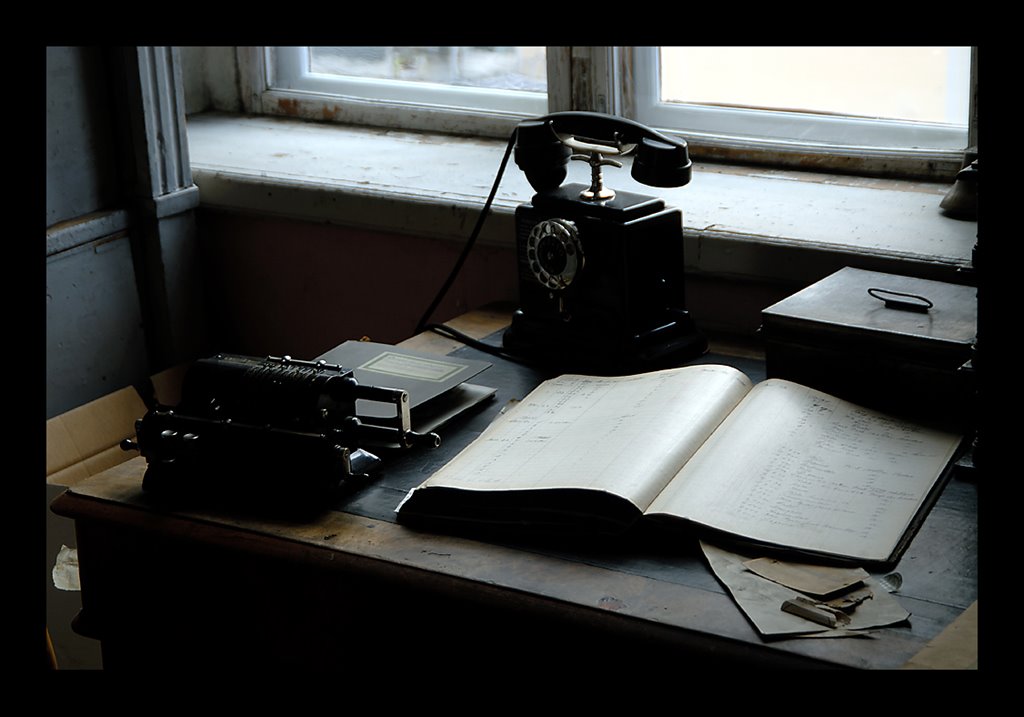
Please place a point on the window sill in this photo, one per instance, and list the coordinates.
(738, 222)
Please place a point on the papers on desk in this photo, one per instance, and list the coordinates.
(438, 386)
(762, 598)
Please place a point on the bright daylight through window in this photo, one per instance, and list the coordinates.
(476, 79)
(912, 97)
(925, 84)
(505, 68)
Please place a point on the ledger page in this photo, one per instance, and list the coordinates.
(626, 435)
(796, 467)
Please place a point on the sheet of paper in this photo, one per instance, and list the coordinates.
(761, 600)
(424, 376)
(818, 580)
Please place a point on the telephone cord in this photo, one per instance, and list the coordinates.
(422, 325)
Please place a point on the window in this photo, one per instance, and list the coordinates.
(871, 109)
(442, 88)
(890, 103)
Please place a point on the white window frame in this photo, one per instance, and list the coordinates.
(280, 83)
(293, 73)
(619, 80)
(880, 146)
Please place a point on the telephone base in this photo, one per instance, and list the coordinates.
(597, 350)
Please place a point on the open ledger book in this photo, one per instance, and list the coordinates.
(776, 463)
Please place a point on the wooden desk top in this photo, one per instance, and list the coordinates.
(668, 594)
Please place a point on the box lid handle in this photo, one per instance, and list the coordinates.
(901, 301)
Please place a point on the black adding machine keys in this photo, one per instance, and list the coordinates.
(273, 430)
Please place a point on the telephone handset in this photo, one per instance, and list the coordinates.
(544, 146)
(601, 273)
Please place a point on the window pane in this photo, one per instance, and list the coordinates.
(507, 68)
(920, 84)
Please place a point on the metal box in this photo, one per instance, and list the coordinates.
(895, 343)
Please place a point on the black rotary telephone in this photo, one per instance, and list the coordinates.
(601, 278)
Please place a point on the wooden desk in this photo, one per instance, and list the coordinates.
(352, 588)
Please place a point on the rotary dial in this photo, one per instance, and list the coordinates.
(554, 252)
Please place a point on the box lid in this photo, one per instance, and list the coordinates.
(86, 440)
(841, 307)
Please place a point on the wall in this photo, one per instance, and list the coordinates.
(95, 341)
(267, 296)
(122, 298)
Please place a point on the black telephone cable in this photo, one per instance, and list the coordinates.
(422, 325)
(445, 330)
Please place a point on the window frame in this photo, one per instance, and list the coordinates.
(292, 73)
(272, 86)
(638, 80)
(615, 80)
